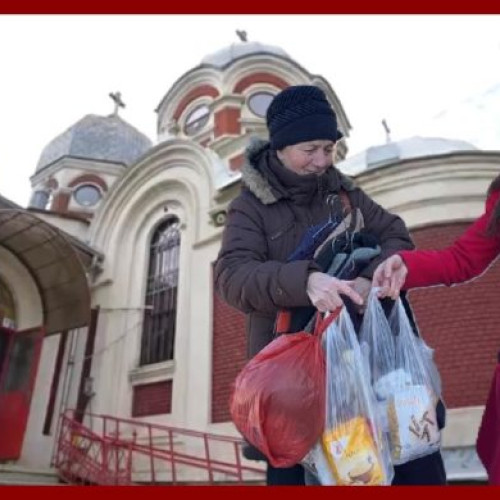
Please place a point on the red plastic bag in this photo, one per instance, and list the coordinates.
(278, 399)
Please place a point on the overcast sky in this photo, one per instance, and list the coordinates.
(406, 69)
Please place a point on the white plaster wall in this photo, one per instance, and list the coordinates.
(38, 449)
(114, 356)
(433, 190)
(198, 356)
(76, 228)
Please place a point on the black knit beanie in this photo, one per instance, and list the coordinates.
(298, 114)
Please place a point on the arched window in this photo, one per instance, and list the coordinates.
(158, 335)
(87, 195)
(259, 102)
(196, 119)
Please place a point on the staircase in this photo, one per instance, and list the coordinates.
(107, 450)
(19, 475)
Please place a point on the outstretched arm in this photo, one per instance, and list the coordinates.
(468, 257)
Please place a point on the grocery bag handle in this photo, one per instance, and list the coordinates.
(322, 322)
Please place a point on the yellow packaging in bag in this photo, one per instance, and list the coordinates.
(352, 454)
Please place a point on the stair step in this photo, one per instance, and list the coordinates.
(14, 474)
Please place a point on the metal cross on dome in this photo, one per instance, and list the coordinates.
(117, 98)
(387, 131)
(242, 35)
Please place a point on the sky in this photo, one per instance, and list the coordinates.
(408, 70)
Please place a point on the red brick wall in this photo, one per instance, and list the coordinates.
(262, 77)
(152, 399)
(60, 202)
(228, 355)
(236, 162)
(462, 323)
(227, 122)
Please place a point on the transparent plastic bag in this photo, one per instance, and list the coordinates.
(353, 440)
(415, 408)
(405, 380)
(377, 338)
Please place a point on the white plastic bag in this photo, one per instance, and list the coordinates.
(405, 381)
(353, 441)
(414, 408)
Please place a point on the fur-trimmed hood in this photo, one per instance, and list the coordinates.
(258, 184)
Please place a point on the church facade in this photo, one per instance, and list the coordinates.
(118, 309)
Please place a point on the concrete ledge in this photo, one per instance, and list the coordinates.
(462, 425)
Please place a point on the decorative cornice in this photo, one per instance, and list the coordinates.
(148, 374)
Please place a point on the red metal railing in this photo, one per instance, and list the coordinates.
(111, 450)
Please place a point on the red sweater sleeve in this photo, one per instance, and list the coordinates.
(466, 258)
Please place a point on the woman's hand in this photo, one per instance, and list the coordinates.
(324, 292)
(390, 277)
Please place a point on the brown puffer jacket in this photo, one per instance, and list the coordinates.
(266, 222)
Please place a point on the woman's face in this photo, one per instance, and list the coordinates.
(312, 157)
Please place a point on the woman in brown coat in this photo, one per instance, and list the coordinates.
(290, 185)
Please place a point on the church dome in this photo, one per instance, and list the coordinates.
(102, 138)
(227, 55)
(392, 152)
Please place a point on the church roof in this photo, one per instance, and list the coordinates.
(227, 55)
(104, 138)
(413, 147)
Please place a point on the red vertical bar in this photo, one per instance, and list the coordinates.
(131, 454)
(151, 457)
(104, 449)
(239, 471)
(117, 453)
(172, 456)
(209, 463)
